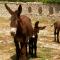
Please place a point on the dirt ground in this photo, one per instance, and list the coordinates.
(46, 48)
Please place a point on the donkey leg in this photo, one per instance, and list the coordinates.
(55, 35)
(17, 49)
(26, 48)
(58, 36)
(35, 48)
(30, 47)
(23, 51)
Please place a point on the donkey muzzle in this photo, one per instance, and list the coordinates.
(13, 31)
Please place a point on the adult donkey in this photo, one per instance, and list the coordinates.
(21, 29)
(33, 40)
(56, 30)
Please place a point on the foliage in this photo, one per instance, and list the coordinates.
(44, 1)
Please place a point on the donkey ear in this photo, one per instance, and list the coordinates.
(36, 23)
(19, 9)
(9, 10)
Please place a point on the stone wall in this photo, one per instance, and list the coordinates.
(37, 9)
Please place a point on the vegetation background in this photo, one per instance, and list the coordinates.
(44, 1)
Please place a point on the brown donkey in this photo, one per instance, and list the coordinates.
(33, 40)
(21, 30)
(56, 31)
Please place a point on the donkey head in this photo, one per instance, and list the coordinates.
(14, 18)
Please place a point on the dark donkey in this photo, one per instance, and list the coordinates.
(21, 29)
(33, 40)
(56, 30)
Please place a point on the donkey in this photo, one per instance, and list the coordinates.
(33, 40)
(56, 30)
(21, 30)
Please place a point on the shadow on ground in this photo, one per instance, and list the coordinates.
(13, 57)
(29, 58)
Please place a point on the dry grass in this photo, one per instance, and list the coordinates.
(44, 53)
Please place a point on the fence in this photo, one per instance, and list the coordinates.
(35, 9)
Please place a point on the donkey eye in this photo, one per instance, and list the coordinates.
(12, 18)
